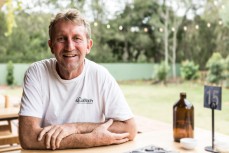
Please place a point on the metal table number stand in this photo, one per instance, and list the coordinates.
(212, 100)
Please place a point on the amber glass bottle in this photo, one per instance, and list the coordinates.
(183, 119)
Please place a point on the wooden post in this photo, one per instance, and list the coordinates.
(7, 102)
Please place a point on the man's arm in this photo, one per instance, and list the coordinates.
(67, 136)
(127, 126)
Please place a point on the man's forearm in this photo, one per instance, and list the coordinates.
(74, 135)
(29, 139)
(85, 127)
(117, 127)
(127, 126)
(98, 137)
(69, 142)
(78, 141)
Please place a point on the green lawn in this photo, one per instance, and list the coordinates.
(156, 102)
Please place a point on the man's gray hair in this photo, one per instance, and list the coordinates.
(72, 15)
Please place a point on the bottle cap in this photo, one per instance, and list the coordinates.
(183, 94)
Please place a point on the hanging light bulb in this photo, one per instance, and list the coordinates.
(145, 29)
(173, 29)
(161, 29)
(95, 24)
(197, 27)
(108, 26)
(185, 28)
(120, 27)
(220, 22)
(209, 25)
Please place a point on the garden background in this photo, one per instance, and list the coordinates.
(181, 44)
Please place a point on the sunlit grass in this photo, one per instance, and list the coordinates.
(156, 102)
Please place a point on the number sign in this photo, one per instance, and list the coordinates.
(212, 97)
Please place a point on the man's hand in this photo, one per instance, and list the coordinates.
(55, 133)
(105, 137)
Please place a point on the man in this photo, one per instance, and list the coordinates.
(69, 101)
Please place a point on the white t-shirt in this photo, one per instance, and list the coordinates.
(93, 96)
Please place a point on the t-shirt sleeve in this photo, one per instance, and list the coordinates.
(116, 106)
(31, 102)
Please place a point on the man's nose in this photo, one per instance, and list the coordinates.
(70, 45)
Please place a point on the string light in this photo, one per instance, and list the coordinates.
(197, 27)
(120, 28)
(161, 29)
(145, 29)
(220, 22)
(95, 24)
(216, 2)
(185, 28)
(223, 6)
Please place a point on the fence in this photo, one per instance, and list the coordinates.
(120, 71)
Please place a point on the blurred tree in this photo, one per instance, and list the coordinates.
(189, 70)
(136, 33)
(10, 73)
(27, 43)
(132, 35)
(215, 67)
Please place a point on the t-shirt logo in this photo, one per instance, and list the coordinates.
(80, 100)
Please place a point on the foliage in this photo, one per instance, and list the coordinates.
(10, 73)
(162, 72)
(10, 17)
(227, 63)
(134, 34)
(215, 67)
(227, 70)
(27, 43)
(127, 38)
(189, 70)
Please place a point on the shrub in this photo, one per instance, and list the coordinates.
(189, 71)
(10, 73)
(227, 71)
(215, 67)
(162, 72)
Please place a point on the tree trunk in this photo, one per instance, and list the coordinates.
(166, 35)
(174, 48)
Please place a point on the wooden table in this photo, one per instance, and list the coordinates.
(7, 134)
(161, 136)
(9, 113)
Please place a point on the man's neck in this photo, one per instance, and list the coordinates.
(68, 75)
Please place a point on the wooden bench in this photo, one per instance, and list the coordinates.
(9, 139)
(10, 148)
(8, 134)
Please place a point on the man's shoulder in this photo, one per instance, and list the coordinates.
(43, 63)
(41, 66)
(93, 66)
(99, 71)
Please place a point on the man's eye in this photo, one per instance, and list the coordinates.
(76, 38)
(60, 39)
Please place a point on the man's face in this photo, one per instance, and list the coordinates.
(70, 45)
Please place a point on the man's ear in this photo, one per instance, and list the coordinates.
(89, 46)
(50, 46)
